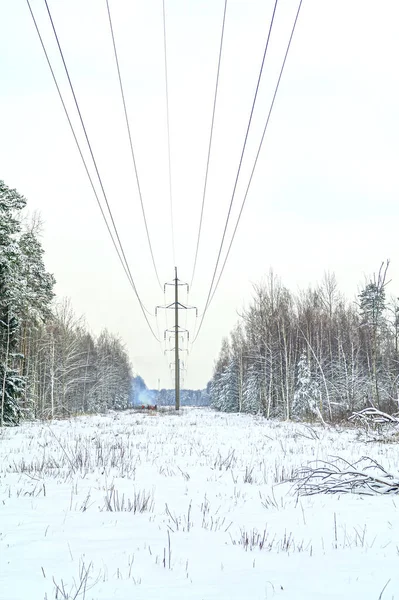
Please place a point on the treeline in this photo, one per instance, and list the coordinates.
(50, 364)
(311, 355)
(187, 397)
(69, 371)
(141, 395)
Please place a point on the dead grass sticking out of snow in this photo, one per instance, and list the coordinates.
(143, 506)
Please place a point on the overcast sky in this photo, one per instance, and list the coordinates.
(325, 192)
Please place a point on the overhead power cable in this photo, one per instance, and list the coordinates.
(212, 293)
(257, 154)
(76, 141)
(168, 131)
(87, 138)
(210, 143)
(239, 165)
(131, 143)
(119, 251)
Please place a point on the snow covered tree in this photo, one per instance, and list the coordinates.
(26, 292)
(238, 351)
(113, 373)
(37, 286)
(215, 392)
(12, 383)
(72, 373)
(252, 391)
(374, 323)
(229, 400)
(353, 354)
(219, 386)
(307, 394)
(50, 365)
(372, 305)
(10, 300)
(37, 283)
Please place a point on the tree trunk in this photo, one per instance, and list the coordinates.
(3, 395)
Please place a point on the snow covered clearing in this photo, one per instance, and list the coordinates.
(144, 506)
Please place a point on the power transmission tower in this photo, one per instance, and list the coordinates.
(177, 330)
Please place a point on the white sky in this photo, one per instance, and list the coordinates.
(324, 196)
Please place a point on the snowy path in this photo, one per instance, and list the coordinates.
(141, 507)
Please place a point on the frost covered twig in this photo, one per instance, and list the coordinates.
(365, 476)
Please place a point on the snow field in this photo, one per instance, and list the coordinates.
(146, 506)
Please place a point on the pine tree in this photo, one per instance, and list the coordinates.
(36, 298)
(11, 203)
(372, 311)
(12, 383)
(37, 283)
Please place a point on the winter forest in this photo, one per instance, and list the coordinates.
(311, 355)
(50, 364)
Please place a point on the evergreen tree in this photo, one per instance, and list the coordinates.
(12, 383)
(251, 394)
(216, 392)
(352, 353)
(49, 362)
(229, 401)
(307, 393)
(11, 203)
(219, 387)
(37, 283)
(37, 296)
(374, 323)
(372, 305)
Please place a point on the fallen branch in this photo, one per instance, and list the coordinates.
(372, 416)
(365, 476)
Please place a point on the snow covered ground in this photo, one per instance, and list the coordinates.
(137, 506)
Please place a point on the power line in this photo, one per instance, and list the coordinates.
(257, 154)
(120, 251)
(187, 349)
(163, 350)
(168, 130)
(259, 149)
(76, 140)
(239, 166)
(211, 294)
(86, 136)
(210, 143)
(131, 143)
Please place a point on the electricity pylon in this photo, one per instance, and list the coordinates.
(177, 330)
